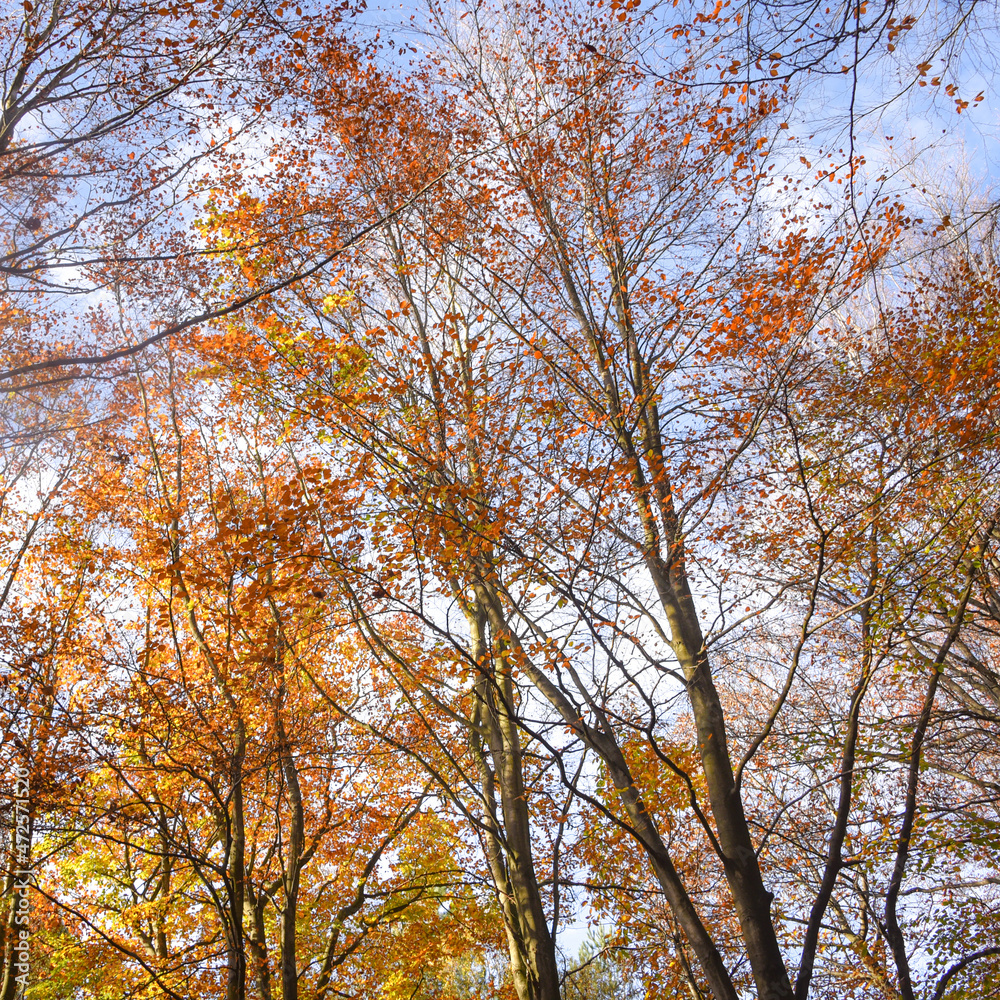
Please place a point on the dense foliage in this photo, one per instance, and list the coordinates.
(488, 511)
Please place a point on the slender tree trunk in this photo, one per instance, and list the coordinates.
(236, 957)
(834, 854)
(258, 946)
(8, 990)
(894, 932)
(163, 889)
(604, 744)
(663, 552)
(532, 950)
(9, 987)
(15, 964)
(292, 861)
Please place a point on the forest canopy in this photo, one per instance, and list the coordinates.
(499, 500)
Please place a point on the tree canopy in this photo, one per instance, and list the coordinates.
(502, 504)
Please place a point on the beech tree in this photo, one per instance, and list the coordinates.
(230, 799)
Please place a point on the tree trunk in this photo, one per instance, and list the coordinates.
(532, 950)
(235, 952)
(15, 955)
(258, 946)
(604, 744)
(664, 556)
(292, 862)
